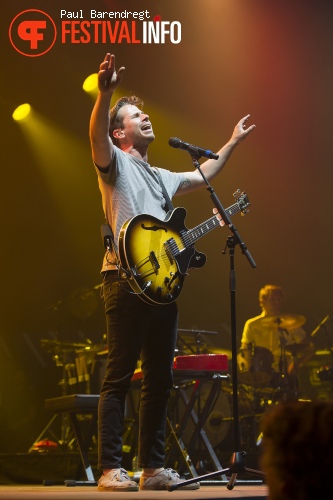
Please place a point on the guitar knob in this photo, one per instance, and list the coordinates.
(169, 296)
(166, 280)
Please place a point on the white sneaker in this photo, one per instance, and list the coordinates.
(117, 480)
(165, 478)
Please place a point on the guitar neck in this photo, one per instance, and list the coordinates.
(205, 227)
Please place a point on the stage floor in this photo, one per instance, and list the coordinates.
(31, 492)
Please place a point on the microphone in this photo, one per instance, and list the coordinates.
(174, 142)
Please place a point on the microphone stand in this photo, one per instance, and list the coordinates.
(238, 462)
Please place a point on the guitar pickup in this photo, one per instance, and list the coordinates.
(154, 261)
(171, 249)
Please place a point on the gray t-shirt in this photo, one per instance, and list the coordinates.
(131, 187)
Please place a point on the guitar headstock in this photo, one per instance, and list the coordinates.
(242, 201)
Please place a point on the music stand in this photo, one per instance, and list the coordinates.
(238, 459)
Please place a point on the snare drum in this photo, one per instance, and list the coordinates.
(260, 372)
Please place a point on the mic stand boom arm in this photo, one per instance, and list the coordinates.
(223, 213)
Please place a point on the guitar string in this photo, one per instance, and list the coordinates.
(160, 256)
(201, 230)
(211, 223)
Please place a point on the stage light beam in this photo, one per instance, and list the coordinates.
(90, 84)
(21, 112)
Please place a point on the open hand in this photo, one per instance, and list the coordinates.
(108, 77)
(241, 130)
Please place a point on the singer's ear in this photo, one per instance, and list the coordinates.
(118, 133)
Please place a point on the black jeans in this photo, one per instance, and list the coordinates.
(135, 329)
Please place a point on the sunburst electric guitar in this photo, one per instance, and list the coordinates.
(158, 253)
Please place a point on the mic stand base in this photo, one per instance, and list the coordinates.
(237, 466)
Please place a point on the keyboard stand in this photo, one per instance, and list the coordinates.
(74, 405)
(177, 428)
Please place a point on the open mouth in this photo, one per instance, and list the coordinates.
(146, 126)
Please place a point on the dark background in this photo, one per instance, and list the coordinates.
(270, 59)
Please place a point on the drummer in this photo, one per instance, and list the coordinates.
(277, 337)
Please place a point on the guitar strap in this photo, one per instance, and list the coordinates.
(169, 204)
(108, 240)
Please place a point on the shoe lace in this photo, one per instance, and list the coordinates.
(172, 473)
(120, 474)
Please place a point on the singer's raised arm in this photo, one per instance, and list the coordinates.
(101, 143)
(210, 168)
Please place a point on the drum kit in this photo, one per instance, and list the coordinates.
(261, 386)
(260, 372)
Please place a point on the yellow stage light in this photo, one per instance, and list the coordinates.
(21, 112)
(90, 84)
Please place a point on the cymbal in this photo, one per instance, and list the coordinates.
(284, 321)
(200, 332)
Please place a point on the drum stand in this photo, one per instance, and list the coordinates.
(283, 374)
(238, 459)
(288, 383)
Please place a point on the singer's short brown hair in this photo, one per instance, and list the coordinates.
(115, 120)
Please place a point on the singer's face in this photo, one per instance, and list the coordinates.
(136, 127)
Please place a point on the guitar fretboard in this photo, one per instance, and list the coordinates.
(197, 232)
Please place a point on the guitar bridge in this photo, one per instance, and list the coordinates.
(154, 261)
